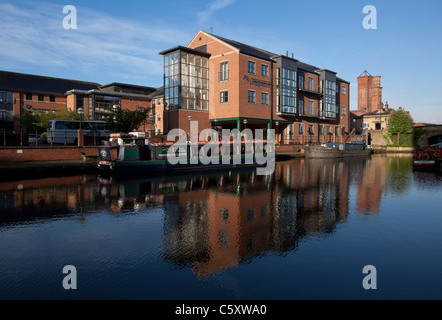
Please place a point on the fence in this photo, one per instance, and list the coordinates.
(320, 139)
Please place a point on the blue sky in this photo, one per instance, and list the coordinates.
(119, 41)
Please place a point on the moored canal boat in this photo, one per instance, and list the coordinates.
(338, 150)
(428, 157)
(126, 154)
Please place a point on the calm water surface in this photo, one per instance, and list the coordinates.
(304, 233)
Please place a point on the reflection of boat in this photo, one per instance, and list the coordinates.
(136, 155)
(338, 150)
(428, 157)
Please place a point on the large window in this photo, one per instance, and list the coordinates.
(301, 106)
(186, 81)
(301, 81)
(344, 110)
(224, 71)
(251, 67)
(6, 97)
(288, 90)
(310, 84)
(330, 99)
(310, 108)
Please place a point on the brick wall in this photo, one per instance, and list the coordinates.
(27, 154)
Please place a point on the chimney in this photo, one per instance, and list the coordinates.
(287, 53)
(293, 55)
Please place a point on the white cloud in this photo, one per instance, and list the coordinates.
(33, 35)
(213, 7)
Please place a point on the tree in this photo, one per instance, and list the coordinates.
(400, 122)
(128, 121)
(38, 121)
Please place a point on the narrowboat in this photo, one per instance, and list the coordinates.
(428, 157)
(129, 154)
(338, 150)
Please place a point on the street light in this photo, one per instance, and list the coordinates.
(80, 111)
(277, 125)
(152, 124)
(245, 123)
(190, 120)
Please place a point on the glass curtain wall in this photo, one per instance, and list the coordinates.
(288, 90)
(186, 81)
(330, 99)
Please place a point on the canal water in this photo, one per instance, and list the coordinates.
(306, 232)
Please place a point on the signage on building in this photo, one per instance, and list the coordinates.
(256, 82)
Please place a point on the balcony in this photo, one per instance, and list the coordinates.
(311, 89)
(286, 111)
(309, 113)
(328, 114)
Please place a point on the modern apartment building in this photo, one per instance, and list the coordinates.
(225, 84)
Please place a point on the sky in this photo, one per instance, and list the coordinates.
(119, 41)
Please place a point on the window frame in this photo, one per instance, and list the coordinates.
(250, 63)
(224, 99)
(254, 96)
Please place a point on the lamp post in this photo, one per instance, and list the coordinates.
(190, 120)
(152, 124)
(80, 111)
(245, 123)
(277, 126)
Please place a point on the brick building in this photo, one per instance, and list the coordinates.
(369, 93)
(226, 84)
(25, 92)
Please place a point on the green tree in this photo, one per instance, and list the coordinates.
(128, 121)
(400, 122)
(32, 121)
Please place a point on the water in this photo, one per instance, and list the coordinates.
(304, 233)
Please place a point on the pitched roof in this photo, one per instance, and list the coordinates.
(246, 49)
(33, 83)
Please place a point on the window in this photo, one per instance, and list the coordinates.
(301, 81)
(41, 97)
(3, 116)
(310, 108)
(337, 131)
(265, 98)
(159, 116)
(337, 88)
(224, 98)
(301, 129)
(158, 101)
(311, 130)
(344, 110)
(343, 90)
(52, 98)
(251, 67)
(301, 106)
(310, 84)
(224, 71)
(330, 99)
(329, 130)
(343, 130)
(251, 97)
(265, 70)
(289, 132)
(6, 97)
(321, 130)
(29, 96)
(288, 90)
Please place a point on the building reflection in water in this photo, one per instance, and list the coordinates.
(214, 221)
